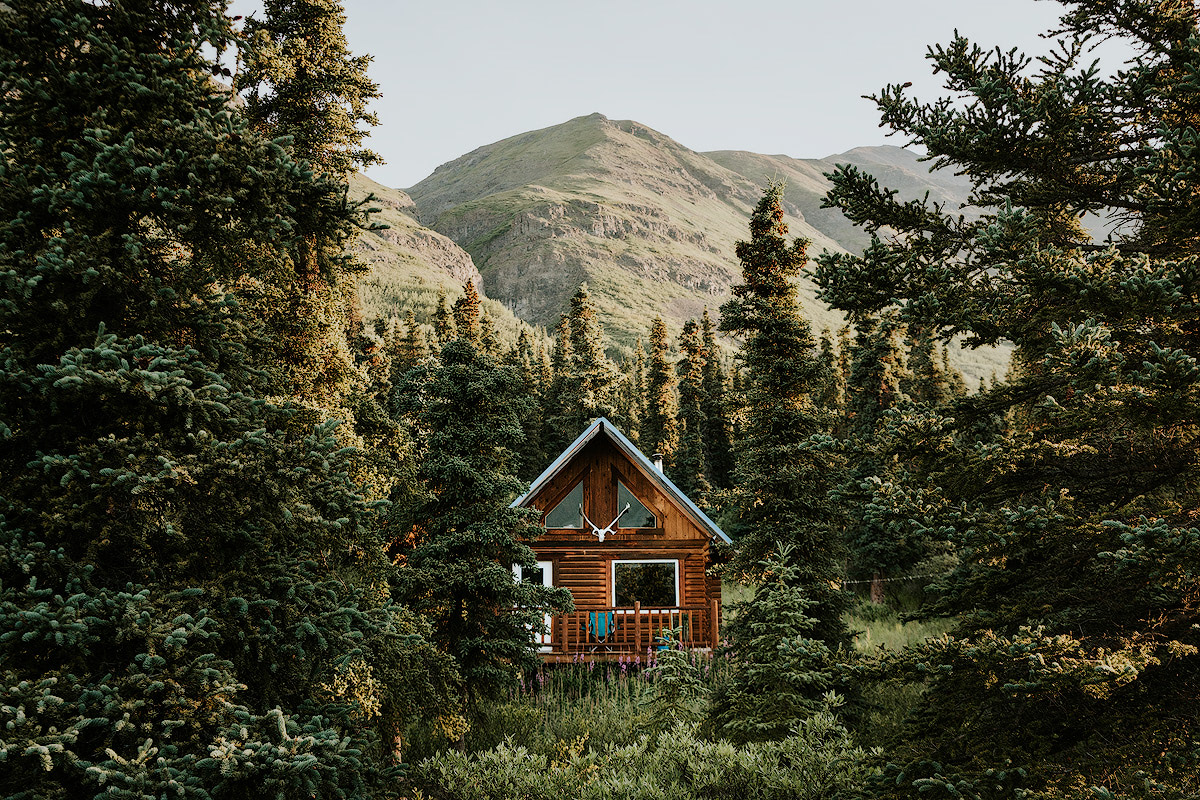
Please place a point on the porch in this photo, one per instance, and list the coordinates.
(610, 633)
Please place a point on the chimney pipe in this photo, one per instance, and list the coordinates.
(657, 459)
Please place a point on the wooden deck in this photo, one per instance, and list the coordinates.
(612, 633)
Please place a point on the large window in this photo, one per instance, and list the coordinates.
(652, 582)
(638, 516)
(567, 514)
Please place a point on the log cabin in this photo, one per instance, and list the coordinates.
(632, 548)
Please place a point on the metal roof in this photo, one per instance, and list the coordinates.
(603, 426)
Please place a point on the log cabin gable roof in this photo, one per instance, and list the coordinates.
(641, 472)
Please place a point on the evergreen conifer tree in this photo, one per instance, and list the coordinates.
(833, 393)
(532, 457)
(958, 386)
(927, 383)
(555, 401)
(879, 546)
(586, 383)
(456, 567)
(781, 673)
(443, 320)
(635, 390)
(299, 78)
(489, 337)
(690, 472)
(300, 81)
(877, 373)
(1075, 662)
(784, 470)
(409, 348)
(467, 325)
(718, 429)
(659, 432)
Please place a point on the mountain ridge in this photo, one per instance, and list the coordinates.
(648, 223)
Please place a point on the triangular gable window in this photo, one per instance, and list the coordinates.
(638, 516)
(567, 514)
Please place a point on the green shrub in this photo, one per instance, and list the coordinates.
(818, 761)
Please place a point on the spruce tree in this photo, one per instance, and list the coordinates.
(408, 348)
(877, 373)
(690, 472)
(462, 538)
(659, 432)
(833, 393)
(467, 325)
(557, 397)
(635, 390)
(1075, 661)
(879, 547)
(593, 375)
(784, 470)
(299, 81)
(489, 336)
(780, 673)
(718, 429)
(532, 456)
(300, 78)
(443, 321)
(958, 386)
(189, 582)
(927, 383)
(586, 383)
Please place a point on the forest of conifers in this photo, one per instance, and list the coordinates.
(252, 546)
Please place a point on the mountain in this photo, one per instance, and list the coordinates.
(648, 223)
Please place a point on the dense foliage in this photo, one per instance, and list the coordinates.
(780, 673)
(459, 537)
(819, 761)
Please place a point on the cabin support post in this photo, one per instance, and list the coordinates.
(637, 627)
(714, 612)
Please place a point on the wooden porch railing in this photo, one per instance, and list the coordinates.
(611, 632)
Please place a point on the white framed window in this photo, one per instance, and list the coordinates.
(542, 575)
(653, 582)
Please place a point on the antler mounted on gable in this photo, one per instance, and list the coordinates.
(600, 533)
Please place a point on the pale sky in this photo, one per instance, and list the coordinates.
(770, 76)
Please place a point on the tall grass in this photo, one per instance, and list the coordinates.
(584, 705)
(587, 705)
(881, 627)
(883, 703)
